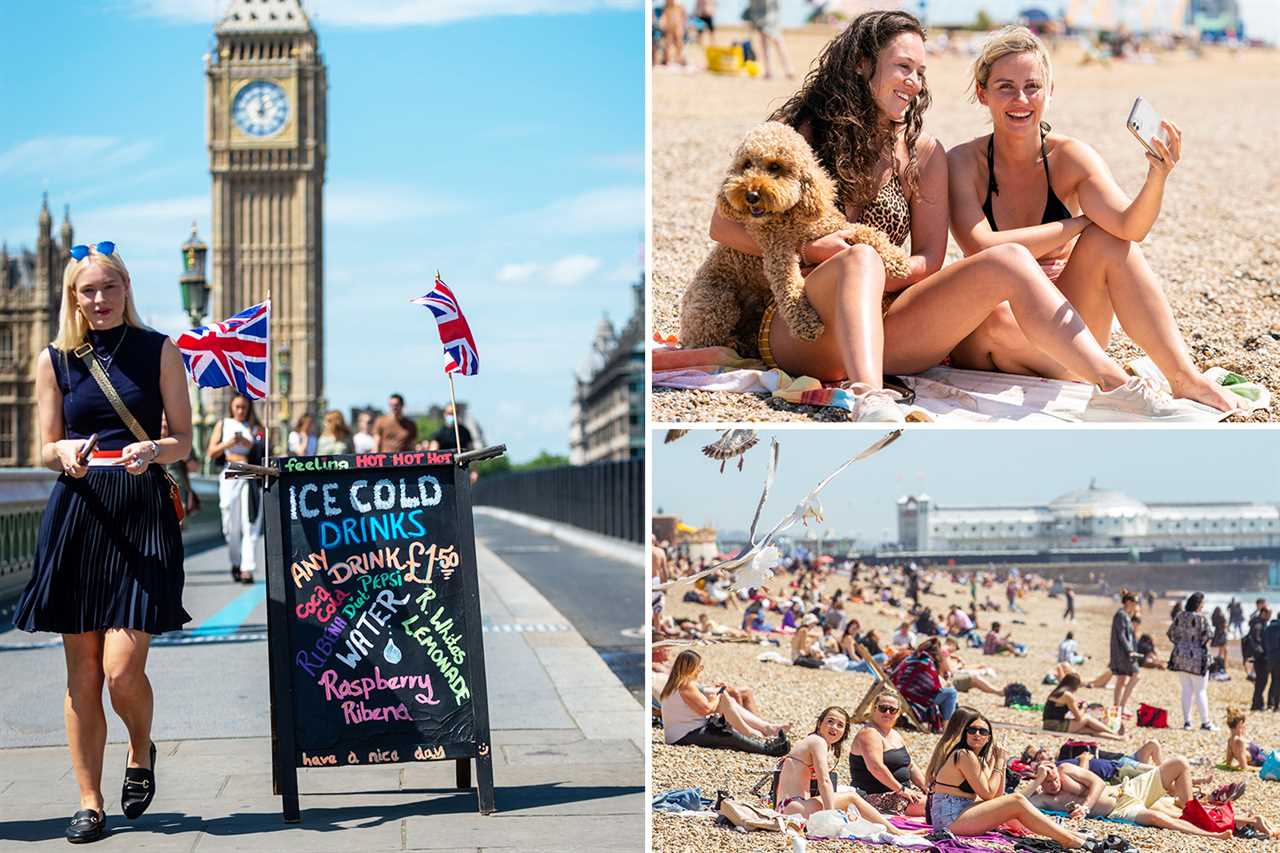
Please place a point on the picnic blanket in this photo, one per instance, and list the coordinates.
(944, 394)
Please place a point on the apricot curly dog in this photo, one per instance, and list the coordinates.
(776, 188)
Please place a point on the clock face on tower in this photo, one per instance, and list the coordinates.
(260, 109)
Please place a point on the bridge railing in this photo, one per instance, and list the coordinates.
(604, 497)
(23, 493)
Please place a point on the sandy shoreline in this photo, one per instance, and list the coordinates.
(796, 695)
(1214, 246)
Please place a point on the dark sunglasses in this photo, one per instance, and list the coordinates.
(106, 247)
(977, 730)
(888, 709)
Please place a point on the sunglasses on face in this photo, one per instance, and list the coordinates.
(80, 252)
(978, 730)
(887, 709)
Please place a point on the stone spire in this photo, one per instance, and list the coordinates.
(66, 228)
(46, 221)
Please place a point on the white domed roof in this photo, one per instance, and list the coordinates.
(1095, 500)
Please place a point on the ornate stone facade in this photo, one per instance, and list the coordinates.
(30, 295)
(607, 413)
(266, 126)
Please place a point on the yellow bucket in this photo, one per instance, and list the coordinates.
(724, 60)
(751, 67)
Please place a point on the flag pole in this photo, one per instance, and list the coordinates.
(457, 436)
(266, 431)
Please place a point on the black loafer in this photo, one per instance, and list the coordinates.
(139, 788)
(86, 825)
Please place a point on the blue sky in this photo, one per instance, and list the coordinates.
(961, 468)
(499, 141)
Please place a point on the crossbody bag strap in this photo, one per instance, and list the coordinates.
(85, 353)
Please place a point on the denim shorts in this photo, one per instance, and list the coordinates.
(945, 808)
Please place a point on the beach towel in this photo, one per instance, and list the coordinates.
(681, 800)
(944, 394)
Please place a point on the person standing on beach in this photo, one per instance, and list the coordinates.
(1124, 652)
(1271, 651)
(1190, 634)
(1070, 614)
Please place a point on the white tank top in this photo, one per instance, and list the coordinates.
(230, 429)
(678, 719)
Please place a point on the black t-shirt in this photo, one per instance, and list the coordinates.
(445, 438)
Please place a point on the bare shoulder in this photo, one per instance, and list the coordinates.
(963, 153)
(866, 737)
(927, 146)
(1071, 153)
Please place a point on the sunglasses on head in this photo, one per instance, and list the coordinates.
(80, 252)
(978, 730)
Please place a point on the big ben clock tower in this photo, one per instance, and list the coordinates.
(266, 130)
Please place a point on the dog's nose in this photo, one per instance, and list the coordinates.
(753, 197)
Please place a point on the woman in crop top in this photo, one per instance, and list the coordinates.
(862, 110)
(1022, 185)
(880, 764)
(1062, 712)
(966, 785)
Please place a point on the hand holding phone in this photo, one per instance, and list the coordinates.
(87, 449)
(1144, 123)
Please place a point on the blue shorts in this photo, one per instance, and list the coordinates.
(946, 808)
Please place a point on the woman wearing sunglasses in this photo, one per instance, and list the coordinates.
(880, 764)
(966, 785)
(108, 561)
(809, 762)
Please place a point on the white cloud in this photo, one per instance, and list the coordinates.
(362, 204)
(71, 156)
(570, 270)
(597, 211)
(565, 272)
(384, 13)
(624, 161)
(516, 273)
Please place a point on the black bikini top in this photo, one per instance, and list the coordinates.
(964, 783)
(1054, 209)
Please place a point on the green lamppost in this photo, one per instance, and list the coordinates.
(195, 301)
(284, 376)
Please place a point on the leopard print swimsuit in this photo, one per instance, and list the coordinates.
(891, 213)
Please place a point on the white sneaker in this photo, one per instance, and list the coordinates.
(875, 405)
(1141, 399)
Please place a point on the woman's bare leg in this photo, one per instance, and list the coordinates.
(1175, 776)
(845, 291)
(85, 718)
(934, 315)
(732, 712)
(1148, 753)
(1107, 278)
(985, 686)
(124, 661)
(1089, 725)
(754, 720)
(999, 344)
(985, 816)
(1151, 817)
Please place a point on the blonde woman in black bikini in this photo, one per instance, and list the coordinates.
(1085, 233)
(862, 108)
(810, 760)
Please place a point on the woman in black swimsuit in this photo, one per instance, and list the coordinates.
(996, 186)
(880, 764)
(862, 109)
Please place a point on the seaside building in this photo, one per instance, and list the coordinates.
(1088, 521)
(30, 294)
(607, 413)
(696, 543)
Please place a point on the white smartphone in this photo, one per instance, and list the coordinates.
(1144, 124)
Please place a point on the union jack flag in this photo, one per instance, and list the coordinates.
(460, 353)
(233, 352)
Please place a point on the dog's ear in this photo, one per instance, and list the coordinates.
(726, 209)
(816, 193)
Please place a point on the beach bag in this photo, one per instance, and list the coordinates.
(1214, 817)
(1151, 717)
(1016, 694)
(1270, 766)
(750, 816)
(1072, 749)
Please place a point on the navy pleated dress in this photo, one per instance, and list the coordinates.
(109, 553)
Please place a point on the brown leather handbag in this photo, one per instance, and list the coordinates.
(85, 353)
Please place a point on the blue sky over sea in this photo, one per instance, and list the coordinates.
(499, 141)
(969, 467)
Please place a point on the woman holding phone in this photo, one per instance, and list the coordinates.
(1054, 195)
(108, 561)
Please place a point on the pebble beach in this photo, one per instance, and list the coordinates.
(789, 694)
(1215, 246)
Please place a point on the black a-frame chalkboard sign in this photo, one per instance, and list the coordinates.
(373, 615)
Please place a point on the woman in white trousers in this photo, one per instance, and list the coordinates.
(1190, 633)
(236, 438)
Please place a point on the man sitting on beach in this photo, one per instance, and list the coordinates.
(995, 644)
